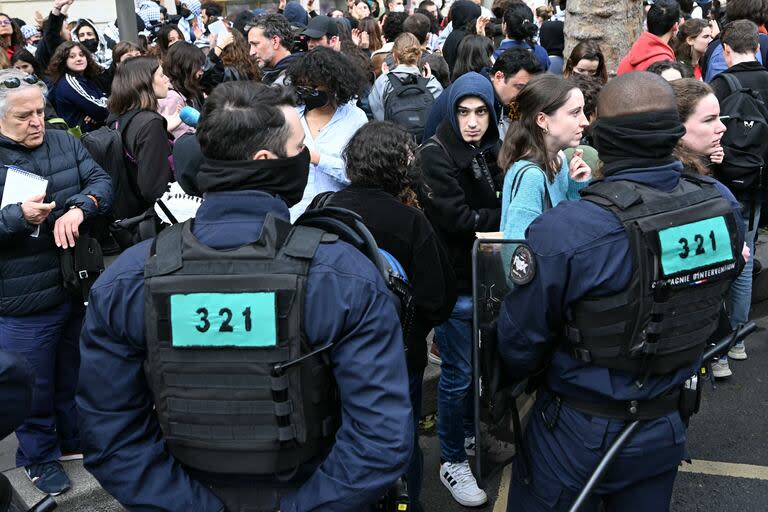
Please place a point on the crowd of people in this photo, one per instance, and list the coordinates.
(437, 125)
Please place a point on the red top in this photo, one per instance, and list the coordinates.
(647, 49)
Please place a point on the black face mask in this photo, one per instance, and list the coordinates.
(184, 12)
(91, 44)
(284, 177)
(312, 98)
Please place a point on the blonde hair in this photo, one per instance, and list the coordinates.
(407, 49)
(545, 12)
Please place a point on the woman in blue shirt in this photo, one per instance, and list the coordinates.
(327, 83)
(520, 30)
(549, 117)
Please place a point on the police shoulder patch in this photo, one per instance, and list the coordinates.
(522, 268)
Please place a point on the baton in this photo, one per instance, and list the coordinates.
(714, 350)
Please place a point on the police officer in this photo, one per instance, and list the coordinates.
(615, 296)
(201, 384)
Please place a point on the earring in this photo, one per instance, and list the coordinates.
(545, 130)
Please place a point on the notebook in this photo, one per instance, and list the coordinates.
(20, 185)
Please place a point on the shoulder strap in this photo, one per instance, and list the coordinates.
(349, 227)
(302, 242)
(704, 60)
(166, 247)
(436, 140)
(616, 193)
(733, 83)
(547, 200)
(395, 82)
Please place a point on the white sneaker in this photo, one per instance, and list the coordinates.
(738, 352)
(469, 445)
(458, 478)
(720, 369)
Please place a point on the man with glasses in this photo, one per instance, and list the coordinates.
(508, 76)
(49, 185)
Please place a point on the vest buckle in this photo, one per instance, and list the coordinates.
(582, 354)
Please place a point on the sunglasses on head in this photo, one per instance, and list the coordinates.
(13, 83)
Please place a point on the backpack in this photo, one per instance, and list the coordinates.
(409, 103)
(746, 120)
(106, 147)
(349, 227)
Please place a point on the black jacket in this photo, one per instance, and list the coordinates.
(752, 75)
(406, 233)
(145, 138)
(457, 201)
(30, 275)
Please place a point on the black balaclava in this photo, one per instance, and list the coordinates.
(284, 177)
(637, 141)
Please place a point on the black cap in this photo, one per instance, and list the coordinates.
(320, 26)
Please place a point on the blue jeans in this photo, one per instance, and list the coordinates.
(49, 342)
(415, 473)
(455, 395)
(740, 298)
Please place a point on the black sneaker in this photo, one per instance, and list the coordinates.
(48, 477)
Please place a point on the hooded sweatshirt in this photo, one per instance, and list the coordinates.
(647, 49)
(462, 180)
(103, 54)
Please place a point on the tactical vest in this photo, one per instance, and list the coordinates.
(237, 388)
(685, 254)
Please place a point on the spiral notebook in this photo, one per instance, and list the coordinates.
(20, 185)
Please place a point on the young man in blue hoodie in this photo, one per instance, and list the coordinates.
(463, 184)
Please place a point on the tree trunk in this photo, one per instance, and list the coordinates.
(615, 24)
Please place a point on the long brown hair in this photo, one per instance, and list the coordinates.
(589, 50)
(236, 55)
(181, 64)
(58, 65)
(691, 28)
(688, 93)
(373, 28)
(132, 88)
(17, 38)
(545, 93)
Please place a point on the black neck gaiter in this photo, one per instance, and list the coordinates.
(637, 140)
(284, 177)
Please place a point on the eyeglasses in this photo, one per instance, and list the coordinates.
(13, 83)
(5, 23)
(306, 92)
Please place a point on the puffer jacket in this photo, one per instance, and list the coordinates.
(30, 275)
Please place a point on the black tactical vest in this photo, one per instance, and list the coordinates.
(685, 254)
(236, 387)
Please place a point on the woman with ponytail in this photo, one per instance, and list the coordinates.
(520, 31)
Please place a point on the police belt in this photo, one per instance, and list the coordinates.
(627, 410)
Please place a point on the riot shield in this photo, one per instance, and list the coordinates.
(501, 404)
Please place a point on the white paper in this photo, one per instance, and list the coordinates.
(219, 28)
(20, 185)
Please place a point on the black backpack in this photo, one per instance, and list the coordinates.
(409, 103)
(106, 147)
(746, 118)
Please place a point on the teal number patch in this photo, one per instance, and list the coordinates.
(695, 245)
(244, 320)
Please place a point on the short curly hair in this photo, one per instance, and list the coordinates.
(381, 155)
(325, 67)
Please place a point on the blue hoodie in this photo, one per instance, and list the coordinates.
(474, 84)
(440, 108)
(464, 179)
